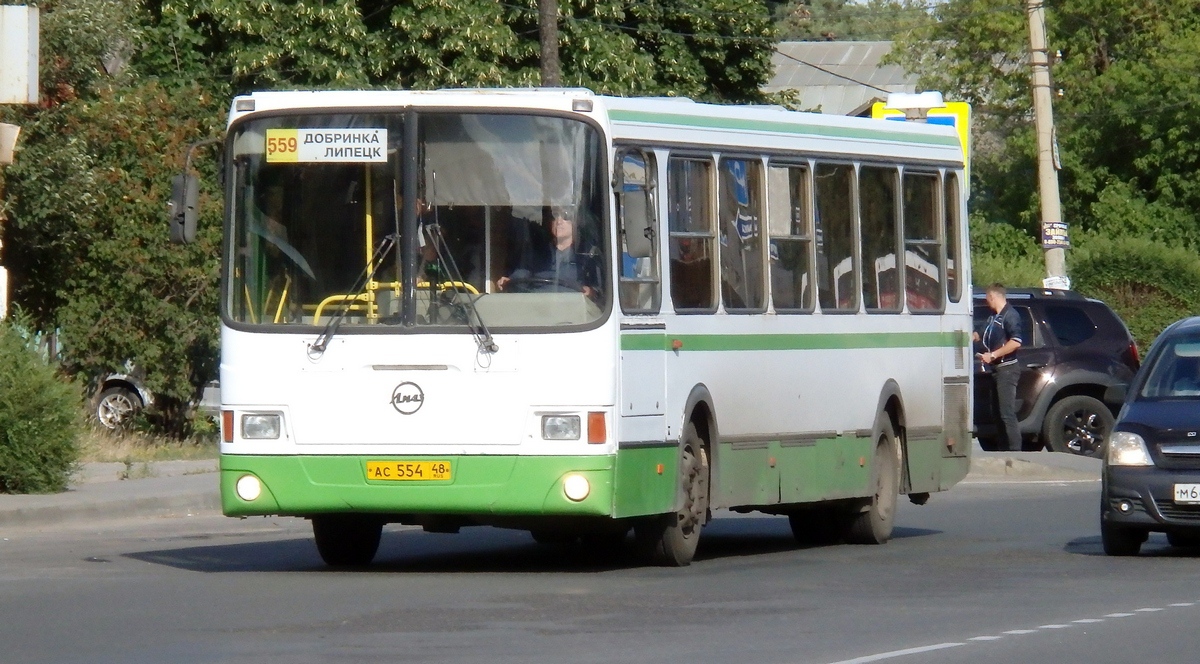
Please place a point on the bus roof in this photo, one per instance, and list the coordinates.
(659, 120)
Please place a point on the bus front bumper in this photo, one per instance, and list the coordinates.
(478, 485)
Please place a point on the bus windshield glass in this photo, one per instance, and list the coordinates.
(506, 228)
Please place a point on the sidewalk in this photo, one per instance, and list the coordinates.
(113, 490)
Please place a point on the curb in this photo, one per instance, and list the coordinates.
(106, 500)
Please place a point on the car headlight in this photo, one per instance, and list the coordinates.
(261, 426)
(560, 427)
(1128, 449)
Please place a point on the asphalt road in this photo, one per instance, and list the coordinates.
(989, 572)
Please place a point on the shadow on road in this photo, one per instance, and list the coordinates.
(1155, 547)
(485, 550)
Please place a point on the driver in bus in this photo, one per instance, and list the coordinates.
(564, 264)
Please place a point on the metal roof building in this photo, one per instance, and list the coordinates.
(839, 78)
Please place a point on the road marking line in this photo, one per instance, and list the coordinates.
(1184, 604)
(1087, 621)
(1053, 626)
(1020, 631)
(899, 653)
(1118, 615)
(985, 638)
(1148, 610)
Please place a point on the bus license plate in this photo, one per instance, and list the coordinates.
(408, 471)
(1187, 494)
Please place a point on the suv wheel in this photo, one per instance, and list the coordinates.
(1078, 425)
(116, 408)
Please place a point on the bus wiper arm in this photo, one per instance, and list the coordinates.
(483, 337)
(317, 348)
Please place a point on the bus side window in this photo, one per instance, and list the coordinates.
(953, 218)
(878, 211)
(924, 274)
(789, 219)
(690, 220)
(741, 237)
(837, 289)
(635, 189)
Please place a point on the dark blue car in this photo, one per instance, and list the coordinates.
(1151, 478)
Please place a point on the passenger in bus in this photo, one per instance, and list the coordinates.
(565, 263)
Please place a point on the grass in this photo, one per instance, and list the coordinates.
(130, 448)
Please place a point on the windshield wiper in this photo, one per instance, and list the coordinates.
(479, 331)
(317, 348)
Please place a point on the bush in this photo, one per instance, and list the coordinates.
(1148, 284)
(39, 419)
(1004, 254)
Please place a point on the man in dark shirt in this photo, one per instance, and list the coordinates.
(567, 264)
(1001, 338)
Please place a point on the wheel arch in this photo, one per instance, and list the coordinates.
(699, 410)
(125, 382)
(891, 406)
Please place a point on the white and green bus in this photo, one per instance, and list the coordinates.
(583, 316)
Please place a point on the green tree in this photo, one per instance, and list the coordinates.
(848, 20)
(710, 49)
(1126, 132)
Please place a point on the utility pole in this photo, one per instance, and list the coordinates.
(1054, 230)
(548, 34)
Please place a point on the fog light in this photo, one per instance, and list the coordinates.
(1125, 507)
(576, 487)
(248, 488)
(261, 426)
(560, 427)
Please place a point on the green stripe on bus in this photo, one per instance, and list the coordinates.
(708, 122)
(723, 342)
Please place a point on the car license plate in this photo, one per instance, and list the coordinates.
(408, 471)
(1188, 494)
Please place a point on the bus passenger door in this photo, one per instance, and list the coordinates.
(643, 331)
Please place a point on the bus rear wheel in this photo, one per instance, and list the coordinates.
(874, 524)
(346, 540)
(671, 539)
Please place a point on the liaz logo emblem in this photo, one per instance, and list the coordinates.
(407, 398)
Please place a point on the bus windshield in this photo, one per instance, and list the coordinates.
(507, 223)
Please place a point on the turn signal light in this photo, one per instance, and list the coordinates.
(596, 431)
(227, 426)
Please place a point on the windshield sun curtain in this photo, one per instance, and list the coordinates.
(506, 228)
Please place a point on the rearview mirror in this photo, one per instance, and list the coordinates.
(181, 210)
(636, 202)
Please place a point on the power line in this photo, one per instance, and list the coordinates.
(830, 72)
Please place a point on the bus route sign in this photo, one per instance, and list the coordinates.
(290, 146)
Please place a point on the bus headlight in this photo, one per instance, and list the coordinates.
(576, 487)
(1128, 449)
(261, 426)
(560, 427)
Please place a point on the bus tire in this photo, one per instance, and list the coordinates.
(346, 540)
(671, 539)
(874, 524)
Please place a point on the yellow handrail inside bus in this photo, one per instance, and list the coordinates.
(447, 285)
(351, 306)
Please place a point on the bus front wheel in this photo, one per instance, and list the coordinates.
(345, 540)
(874, 524)
(671, 539)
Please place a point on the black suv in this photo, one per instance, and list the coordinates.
(1075, 350)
